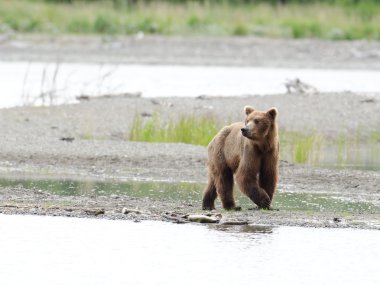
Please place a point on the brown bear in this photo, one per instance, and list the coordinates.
(249, 150)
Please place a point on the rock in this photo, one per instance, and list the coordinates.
(67, 139)
(369, 100)
(175, 217)
(155, 102)
(337, 220)
(146, 114)
(95, 212)
(82, 98)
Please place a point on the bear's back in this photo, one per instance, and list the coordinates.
(226, 146)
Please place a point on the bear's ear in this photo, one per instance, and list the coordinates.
(248, 110)
(272, 112)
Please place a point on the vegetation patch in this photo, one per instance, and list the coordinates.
(301, 148)
(186, 129)
(311, 148)
(295, 19)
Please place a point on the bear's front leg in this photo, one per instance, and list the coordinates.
(269, 174)
(251, 188)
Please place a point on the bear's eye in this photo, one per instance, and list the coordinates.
(257, 121)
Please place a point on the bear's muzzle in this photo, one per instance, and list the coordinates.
(244, 132)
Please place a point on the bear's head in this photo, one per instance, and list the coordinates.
(258, 124)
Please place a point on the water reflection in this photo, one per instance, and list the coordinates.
(242, 229)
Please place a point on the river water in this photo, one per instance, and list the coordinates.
(56, 250)
(286, 199)
(24, 82)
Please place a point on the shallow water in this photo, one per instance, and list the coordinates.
(23, 82)
(191, 193)
(362, 155)
(55, 250)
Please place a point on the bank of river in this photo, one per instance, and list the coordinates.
(88, 141)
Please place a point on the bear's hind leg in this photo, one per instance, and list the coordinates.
(209, 196)
(224, 186)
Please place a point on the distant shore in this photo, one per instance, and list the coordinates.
(196, 50)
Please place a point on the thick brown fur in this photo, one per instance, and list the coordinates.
(249, 150)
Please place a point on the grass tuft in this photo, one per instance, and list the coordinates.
(301, 148)
(190, 130)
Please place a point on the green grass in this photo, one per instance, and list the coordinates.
(320, 20)
(191, 130)
(301, 148)
(311, 148)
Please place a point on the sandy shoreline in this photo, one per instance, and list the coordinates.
(32, 148)
(32, 145)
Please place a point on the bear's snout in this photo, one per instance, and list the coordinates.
(244, 131)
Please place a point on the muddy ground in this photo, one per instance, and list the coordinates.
(89, 140)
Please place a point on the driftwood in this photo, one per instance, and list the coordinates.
(299, 87)
(85, 97)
